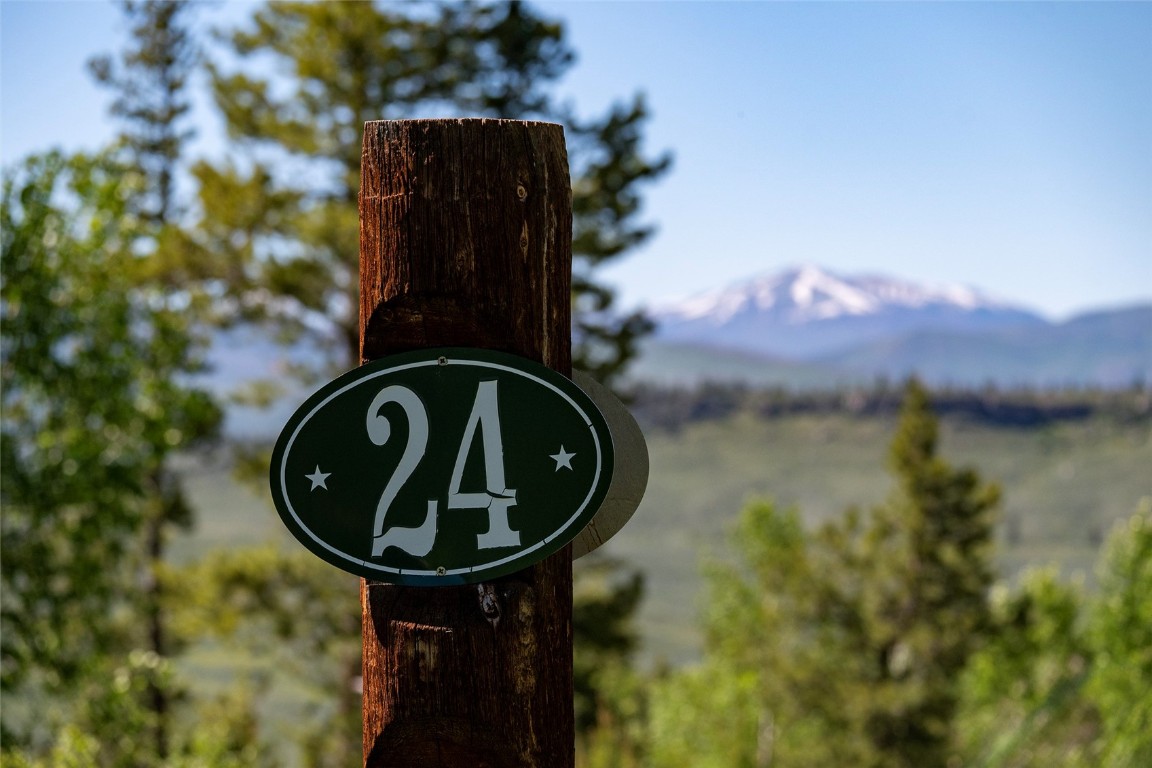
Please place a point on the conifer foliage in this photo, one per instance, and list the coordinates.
(845, 647)
(150, 82)
(927, 560)
(285, 223)
(113, 283)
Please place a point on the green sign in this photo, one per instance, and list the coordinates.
(442, 466)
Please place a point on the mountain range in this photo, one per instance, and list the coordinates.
(803, 328)
(809, 327)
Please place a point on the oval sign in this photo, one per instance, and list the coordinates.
(441, 466)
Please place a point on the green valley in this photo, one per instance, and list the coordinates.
(1066, 480)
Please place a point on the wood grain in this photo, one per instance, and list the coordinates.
(465, 240)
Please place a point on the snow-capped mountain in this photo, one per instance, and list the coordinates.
(809, 313)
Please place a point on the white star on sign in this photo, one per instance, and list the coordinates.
(318, 479)
(562, 459)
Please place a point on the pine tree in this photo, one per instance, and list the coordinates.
(151, 86)
(927, 563)
(150, 83)
(844, 646)
(288, 223)
(280, 228)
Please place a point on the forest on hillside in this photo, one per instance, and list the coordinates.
(884, 637)
(889, 632)
(671, 408)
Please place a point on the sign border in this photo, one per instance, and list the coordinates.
(445, 356)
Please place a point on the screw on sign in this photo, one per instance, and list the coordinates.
(442, 466)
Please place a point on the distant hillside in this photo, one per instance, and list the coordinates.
(1106, 349)
(1065, 484)
(1070, 466)
(810, 328)
(803, 329)
(691, 364)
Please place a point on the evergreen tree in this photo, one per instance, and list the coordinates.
(280, 232)
(150, 83)
(151, 86)
(284, 231)
(78, 229)
(844, 647)
(927, 559)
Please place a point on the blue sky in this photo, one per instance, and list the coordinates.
(1001, 145)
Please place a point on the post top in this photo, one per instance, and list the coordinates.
(445, 121)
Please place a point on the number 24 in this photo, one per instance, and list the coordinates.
(496, 498)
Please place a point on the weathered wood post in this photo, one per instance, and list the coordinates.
(465, 240)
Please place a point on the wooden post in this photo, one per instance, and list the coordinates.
(466, 240)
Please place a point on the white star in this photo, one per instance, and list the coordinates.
(562, 459)
(318, 479)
